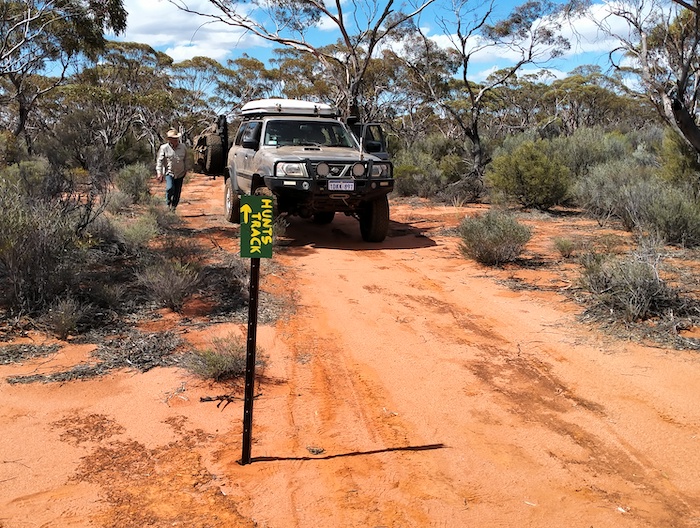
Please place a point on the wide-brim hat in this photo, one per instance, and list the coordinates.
(172, 133)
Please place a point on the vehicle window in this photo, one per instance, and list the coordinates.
(252, 131)
(311, 133)
(279, 133)
(239, 134)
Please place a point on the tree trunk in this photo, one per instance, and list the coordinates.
(684, 122)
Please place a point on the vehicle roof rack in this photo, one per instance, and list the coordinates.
(288, 107)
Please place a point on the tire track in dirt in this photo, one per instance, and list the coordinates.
(507, 366)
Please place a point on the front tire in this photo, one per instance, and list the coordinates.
(374, 220)
(232, 204)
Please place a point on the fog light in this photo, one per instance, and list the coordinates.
(358, 169)
(323, 169)
(305, 185)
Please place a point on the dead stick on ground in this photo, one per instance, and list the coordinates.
(228, 398)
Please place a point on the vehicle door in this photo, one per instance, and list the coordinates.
(247, 144)
(372, 139)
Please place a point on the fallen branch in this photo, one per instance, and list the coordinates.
(228, 398)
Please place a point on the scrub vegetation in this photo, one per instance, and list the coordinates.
(84, 245)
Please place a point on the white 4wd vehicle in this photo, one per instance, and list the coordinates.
(309, 160)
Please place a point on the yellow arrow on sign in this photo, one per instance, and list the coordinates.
(245, 211)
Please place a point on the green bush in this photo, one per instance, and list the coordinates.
(226, 359)
(674, 215)
(429, 166)
(63, 317)
(9, 148)
(680, 165)
(169, 283)
(417, 180)
(493, 238)
(118, 201)
(28, 178)
(530, 176)
(641, 202)
(565, 246)
(588, 147)
(133, 181)
(137, 234)
(38, 249)
(628, 288)
(617, 189)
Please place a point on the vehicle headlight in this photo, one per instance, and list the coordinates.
(379, 171)
(289, 169)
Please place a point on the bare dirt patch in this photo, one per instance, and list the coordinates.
(406, 386)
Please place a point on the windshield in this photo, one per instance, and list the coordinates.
(313, 133)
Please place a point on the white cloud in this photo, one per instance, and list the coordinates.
(327, 24)
(182, 35)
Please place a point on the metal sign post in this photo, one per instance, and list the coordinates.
(256, 243)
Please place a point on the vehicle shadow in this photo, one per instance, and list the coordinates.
(344, 233)
(428, 447)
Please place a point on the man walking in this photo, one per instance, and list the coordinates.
(170, 163)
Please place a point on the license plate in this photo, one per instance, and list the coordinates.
(341, 186)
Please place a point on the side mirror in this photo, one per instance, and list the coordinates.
(373, 146)
(250, 144)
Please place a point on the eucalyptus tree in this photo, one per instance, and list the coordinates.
(126, 91)
(530, 36)
(518, 105)
(247, 78)
(301, 75)
(363, 26)
(40, 34)
(582, 99)
(197, 81)
(659, 50)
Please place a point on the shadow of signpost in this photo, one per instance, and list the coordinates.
(428, 447)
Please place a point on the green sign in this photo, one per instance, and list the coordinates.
(256, 226)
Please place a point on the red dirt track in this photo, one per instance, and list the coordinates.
(409, 387)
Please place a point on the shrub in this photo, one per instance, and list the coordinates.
(165, 220)
(588, 147)
(63, 317)
(679, 162)
(530, 175)
(118, 201)
(565, 246)
(169, 283)
(38, 249)
(182, 249)
(28, 178)
(9, 148)
(642, 202)
(133, 181)
(279, 230)
(674, 215)
(614, 190)
(429, 166)
(494, 238)
(629, 288)
(136, 235)
(226, 359)
(414, 180)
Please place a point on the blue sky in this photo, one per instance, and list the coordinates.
(182, 36)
